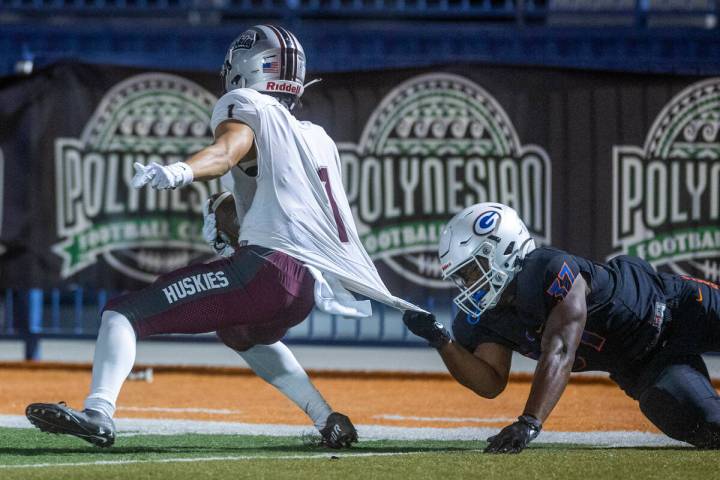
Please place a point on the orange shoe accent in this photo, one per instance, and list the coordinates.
(699, 298)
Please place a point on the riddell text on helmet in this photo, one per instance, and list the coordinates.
(282, 87)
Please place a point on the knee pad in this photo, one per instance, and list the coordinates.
(239, 337)
(243, 337)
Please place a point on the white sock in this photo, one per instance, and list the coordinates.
(113, 361)
(277, 365)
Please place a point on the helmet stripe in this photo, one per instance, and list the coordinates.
(296, 52)
(283, 49)
(292, 55)
(289, 54)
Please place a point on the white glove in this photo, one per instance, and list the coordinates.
(162, 177)
(220, 245)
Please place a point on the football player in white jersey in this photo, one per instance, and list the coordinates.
(298, 246)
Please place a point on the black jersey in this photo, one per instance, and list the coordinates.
(626, 309)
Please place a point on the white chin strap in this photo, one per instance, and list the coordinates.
(312, 82)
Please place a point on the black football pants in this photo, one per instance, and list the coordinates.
(683, 404)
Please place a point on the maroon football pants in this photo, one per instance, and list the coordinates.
(251, 298)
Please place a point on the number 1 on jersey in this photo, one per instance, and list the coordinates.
(342, 233)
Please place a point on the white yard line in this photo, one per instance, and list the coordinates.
(146, 426)
(180, 410)
(444, 419)
(228, 458)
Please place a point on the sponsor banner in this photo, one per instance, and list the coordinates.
(435, 144)
(83, 222)
(153, 117)
(666, 192)
(597, 164)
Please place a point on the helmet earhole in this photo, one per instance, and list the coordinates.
(509, 249)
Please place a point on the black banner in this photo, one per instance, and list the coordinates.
(596, 163)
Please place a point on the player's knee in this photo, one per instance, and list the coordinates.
(238, 338)
(665, 412)
(244, 337)
(696, 422)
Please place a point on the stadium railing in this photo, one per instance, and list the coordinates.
(636, 11)
(193, 34)
(282, 8)
(36, 314)
(24, 47)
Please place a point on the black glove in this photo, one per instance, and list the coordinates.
(514, 438)
(424, 325)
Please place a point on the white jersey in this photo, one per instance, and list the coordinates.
(297, 205)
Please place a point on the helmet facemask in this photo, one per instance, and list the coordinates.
(480, 284)
(481, 249)
(224, 81)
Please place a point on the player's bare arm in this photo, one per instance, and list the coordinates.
(561, 337)
(485, 371)
(234, 144)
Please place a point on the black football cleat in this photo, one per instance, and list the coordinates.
(339, 432)
(90, 425)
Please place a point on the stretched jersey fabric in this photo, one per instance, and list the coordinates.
(628, 308)
(299, 206)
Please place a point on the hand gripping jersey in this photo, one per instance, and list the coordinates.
(297, 204)
(627, 309)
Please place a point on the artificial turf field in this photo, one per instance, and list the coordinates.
(228, 424)
(30, 454)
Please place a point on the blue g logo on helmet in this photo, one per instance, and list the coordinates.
(486, 222)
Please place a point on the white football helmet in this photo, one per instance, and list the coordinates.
(268, 59)
(487, 241)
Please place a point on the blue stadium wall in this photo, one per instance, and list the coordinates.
(345, 35)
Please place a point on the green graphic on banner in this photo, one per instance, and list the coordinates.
(82, 249)
(142, 233)
(679, 244)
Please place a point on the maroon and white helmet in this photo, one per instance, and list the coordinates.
(490, 237)
(268, 59)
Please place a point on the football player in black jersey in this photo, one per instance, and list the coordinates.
(646, 328)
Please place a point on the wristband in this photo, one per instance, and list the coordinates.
(442, 339)
(182, 174)
(531, 422)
